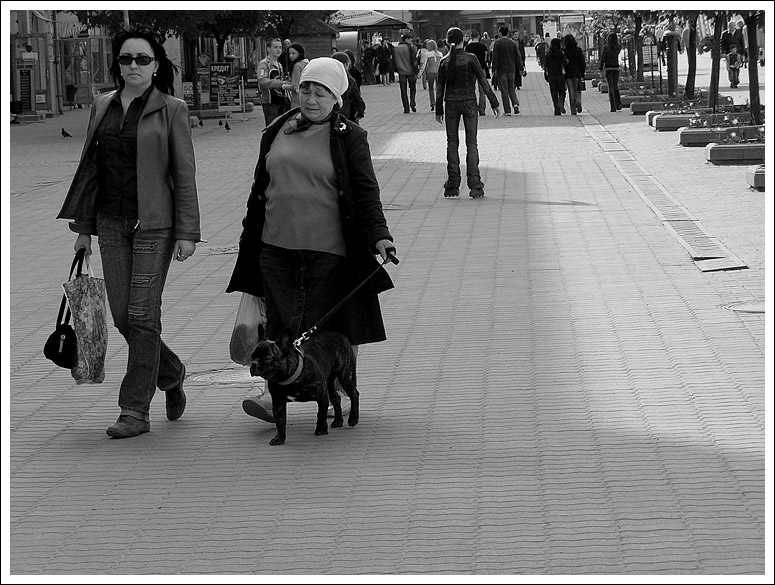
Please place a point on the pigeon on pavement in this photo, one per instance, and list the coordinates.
(66, 134)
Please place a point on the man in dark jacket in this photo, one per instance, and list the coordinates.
(476, 48)
(506, 63)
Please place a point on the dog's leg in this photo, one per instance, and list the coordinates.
(279, 411)
(348, 381)
(322, 426)
(336, 401)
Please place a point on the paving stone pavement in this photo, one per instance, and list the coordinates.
(562, 390)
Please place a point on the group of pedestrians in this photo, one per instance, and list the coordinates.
(279, 77)
(313, 228)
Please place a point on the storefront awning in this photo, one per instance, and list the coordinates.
(365, 20)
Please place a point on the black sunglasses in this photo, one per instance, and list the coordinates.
(140, 59)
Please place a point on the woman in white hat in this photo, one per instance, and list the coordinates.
(314, 222)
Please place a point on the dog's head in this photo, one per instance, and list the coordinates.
(270, 359)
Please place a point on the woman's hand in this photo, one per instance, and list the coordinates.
(383, 246)
(183, 249)
(83, 241)
(440, 118)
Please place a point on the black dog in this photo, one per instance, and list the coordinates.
(306, 374)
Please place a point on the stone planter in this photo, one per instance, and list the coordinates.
(671, 121)
(705, 136)
(755, 177)
(735, 154)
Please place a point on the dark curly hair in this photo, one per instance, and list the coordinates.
(165, 74)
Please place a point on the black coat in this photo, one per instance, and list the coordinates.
(360, 208)
(577, 65)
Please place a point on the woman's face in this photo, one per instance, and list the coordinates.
(316, 101)
(138, 77)
(293, 54)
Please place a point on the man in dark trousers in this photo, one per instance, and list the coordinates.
(477, 48)
(407, 66)
(506, 62)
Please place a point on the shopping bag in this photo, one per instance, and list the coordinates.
(86, 297)
(244, 337)
(61, 344)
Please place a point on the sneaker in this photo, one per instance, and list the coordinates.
(563, 110)
(175, 399)
(414, 109)
(433, 108)
(128, 426)
(345, 406)
(516, 110)
(578, 108)
(259, 406)
(507, 113)
(477, 192)
(482, 113)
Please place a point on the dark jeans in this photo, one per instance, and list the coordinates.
(272, 111)
(574, 95)
(431, 77)
(557, 91)
(482, 99)
(470, 114)
(135, 262)
(612, 79)
(412, 81)
(301, 286)
(506, 85)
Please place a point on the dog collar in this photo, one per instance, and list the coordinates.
(296, 374)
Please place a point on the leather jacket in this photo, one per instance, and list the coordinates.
(468, 73)
(360, 208)
(166, 181)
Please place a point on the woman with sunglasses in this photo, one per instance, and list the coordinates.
(142, 219)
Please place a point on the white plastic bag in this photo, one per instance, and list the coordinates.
(244, 337)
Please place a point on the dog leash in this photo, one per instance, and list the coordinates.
(389, 257)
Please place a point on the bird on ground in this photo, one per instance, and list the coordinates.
(220, 122)
(201, 122)
(66, 134)
(227, 127)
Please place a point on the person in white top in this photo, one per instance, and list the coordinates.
(429, 67)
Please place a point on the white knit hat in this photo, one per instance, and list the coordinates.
(329, 73)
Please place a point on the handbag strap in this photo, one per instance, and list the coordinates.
(77, 261)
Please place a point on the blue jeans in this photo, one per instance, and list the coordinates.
(470, 114)
(135, 264)
(410, 99)
(506, 85)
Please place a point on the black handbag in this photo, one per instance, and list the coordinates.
(60, 346)
(582, 85)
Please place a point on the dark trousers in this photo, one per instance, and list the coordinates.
(508, 93)
(408, 100)
(272, 111)
(470, 114)
(135, 263)
(557, 91)
(612, 79)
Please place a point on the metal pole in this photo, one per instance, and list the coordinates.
(126, 18)
(57, 66)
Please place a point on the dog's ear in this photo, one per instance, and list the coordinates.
(261, 332)
(285, 341)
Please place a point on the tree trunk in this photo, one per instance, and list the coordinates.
(751, 21)
(718, 26)
(639, 45)
(691, 54)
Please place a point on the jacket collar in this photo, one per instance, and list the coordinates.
(155, 101)
(339, 125)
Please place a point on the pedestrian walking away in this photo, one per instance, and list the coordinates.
(480, 51)
(384, 56)
(407, 65)
(609, 60)
(271, 77)
(314, 222)
(554, 74)
(142, 219)
(459, 73)
(540, 49)
(297, 61)
(506, 63)
(574, 72)
(429, 69)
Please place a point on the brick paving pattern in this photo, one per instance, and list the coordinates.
(562, 390)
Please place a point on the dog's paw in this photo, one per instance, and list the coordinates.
(337, 422)
(352, 420)
(321, 431)
(278, 440)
